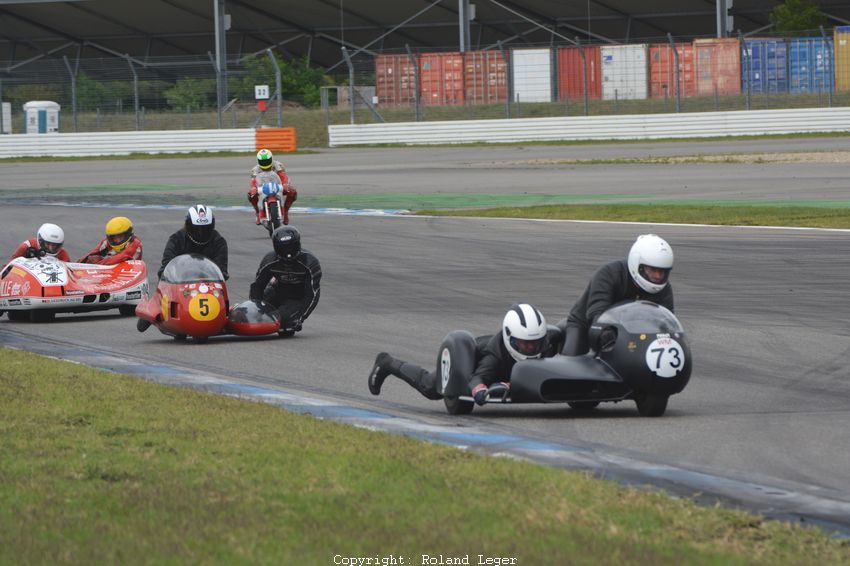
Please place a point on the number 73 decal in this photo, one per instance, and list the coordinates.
(665, 357)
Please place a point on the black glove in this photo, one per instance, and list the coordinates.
(479, 393)
(32, 252)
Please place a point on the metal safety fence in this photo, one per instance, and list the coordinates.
(578, 78)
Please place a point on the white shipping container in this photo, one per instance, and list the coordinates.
(7, 118)
(532, 75)
(624, 72)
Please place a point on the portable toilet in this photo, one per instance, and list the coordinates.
(41, 117)
(6, 118)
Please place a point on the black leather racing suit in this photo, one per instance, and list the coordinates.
(294, 289)
(179, 243)
(610, 285)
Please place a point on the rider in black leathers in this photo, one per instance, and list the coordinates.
(524, 335)
(198, 236)
(295, 276)
(643, 275)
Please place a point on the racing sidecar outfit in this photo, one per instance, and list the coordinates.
(493, 364)
(180, 243)
(293, 287)
(291, 194)
(32, 243)
(610, 285)
(105, 255)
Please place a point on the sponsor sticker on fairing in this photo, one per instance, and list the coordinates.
(134, 295)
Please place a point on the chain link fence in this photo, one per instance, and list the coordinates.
(566, 79)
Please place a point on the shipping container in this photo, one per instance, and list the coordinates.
(441, 78)
(485, 77)
(842, 57)
(395, 80)
(624, 72)
(718, 65)
(532, 75)
(571, 81)
(662, 70)
(810, 64)
(764, 66)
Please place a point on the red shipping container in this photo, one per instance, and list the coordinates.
(718, 65)
(485, 77)
(395, 80)
(570, 73)
(662, 70)
(441, 79)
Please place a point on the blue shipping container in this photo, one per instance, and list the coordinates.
(764, 66)
(811, 60)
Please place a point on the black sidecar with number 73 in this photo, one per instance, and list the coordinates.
(638, 351)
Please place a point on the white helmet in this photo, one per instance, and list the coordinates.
(50, 238)
(650, 251)
(524, 332)
(200, 223)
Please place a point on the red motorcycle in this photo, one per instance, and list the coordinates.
(272, 191)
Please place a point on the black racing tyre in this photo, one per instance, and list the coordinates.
(651, 405)
(274, 218)
(201, 339)
(42, 316)
(583, 406)
(127, 310)
(19, 316)
(456, 406)
(180, 337)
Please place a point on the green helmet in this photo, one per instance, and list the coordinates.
(265, 159)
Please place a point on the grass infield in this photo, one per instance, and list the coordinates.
(100, 468)
(741, 213)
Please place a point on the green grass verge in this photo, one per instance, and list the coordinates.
(739, 213)
(105, 468)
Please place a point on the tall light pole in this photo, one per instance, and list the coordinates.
(463, 15)
(221, 27)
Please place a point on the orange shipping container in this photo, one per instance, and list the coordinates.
(662, 70)
(570, 73)
(441, 78)
(718, 65)
(395, 80)
(842, 58)
(485, 77)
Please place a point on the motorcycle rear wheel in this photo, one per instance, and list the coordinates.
(456, 406)
(651, 405)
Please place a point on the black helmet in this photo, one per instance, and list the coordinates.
(200, 224)
(287, 243)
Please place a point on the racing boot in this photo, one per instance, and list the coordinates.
(418, 378)
(254, 200)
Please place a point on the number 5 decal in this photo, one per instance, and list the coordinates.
(665, 357)
(204, 307)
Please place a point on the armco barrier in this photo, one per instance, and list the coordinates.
(644, 126)
(165, 141)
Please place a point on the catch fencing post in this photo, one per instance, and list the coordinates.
(416, 100)
(350, 82)
(583, 73)
(830, 72)
(510, 85)
(277, 88)
(73, 90)
(2, 131)
(135, 91)
(749, 70)
(676, 72)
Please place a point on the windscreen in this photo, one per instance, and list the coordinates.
(641, 317)
(191, 268)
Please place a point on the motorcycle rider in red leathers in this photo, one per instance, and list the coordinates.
(49, 240)
(120, 244)
(266, 163)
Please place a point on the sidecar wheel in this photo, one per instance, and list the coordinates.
(456, 406)
(18, 316)
(582, 406)
(180, 337)
(201, 339)
(127, 310)
(650, 405)
(42, 316)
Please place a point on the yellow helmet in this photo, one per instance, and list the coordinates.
(119, 230)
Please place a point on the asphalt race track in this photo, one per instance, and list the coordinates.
(766, 309)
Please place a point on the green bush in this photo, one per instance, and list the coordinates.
(194, 94)
(298, 81)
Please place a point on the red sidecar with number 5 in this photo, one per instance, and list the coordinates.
(191, 300)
